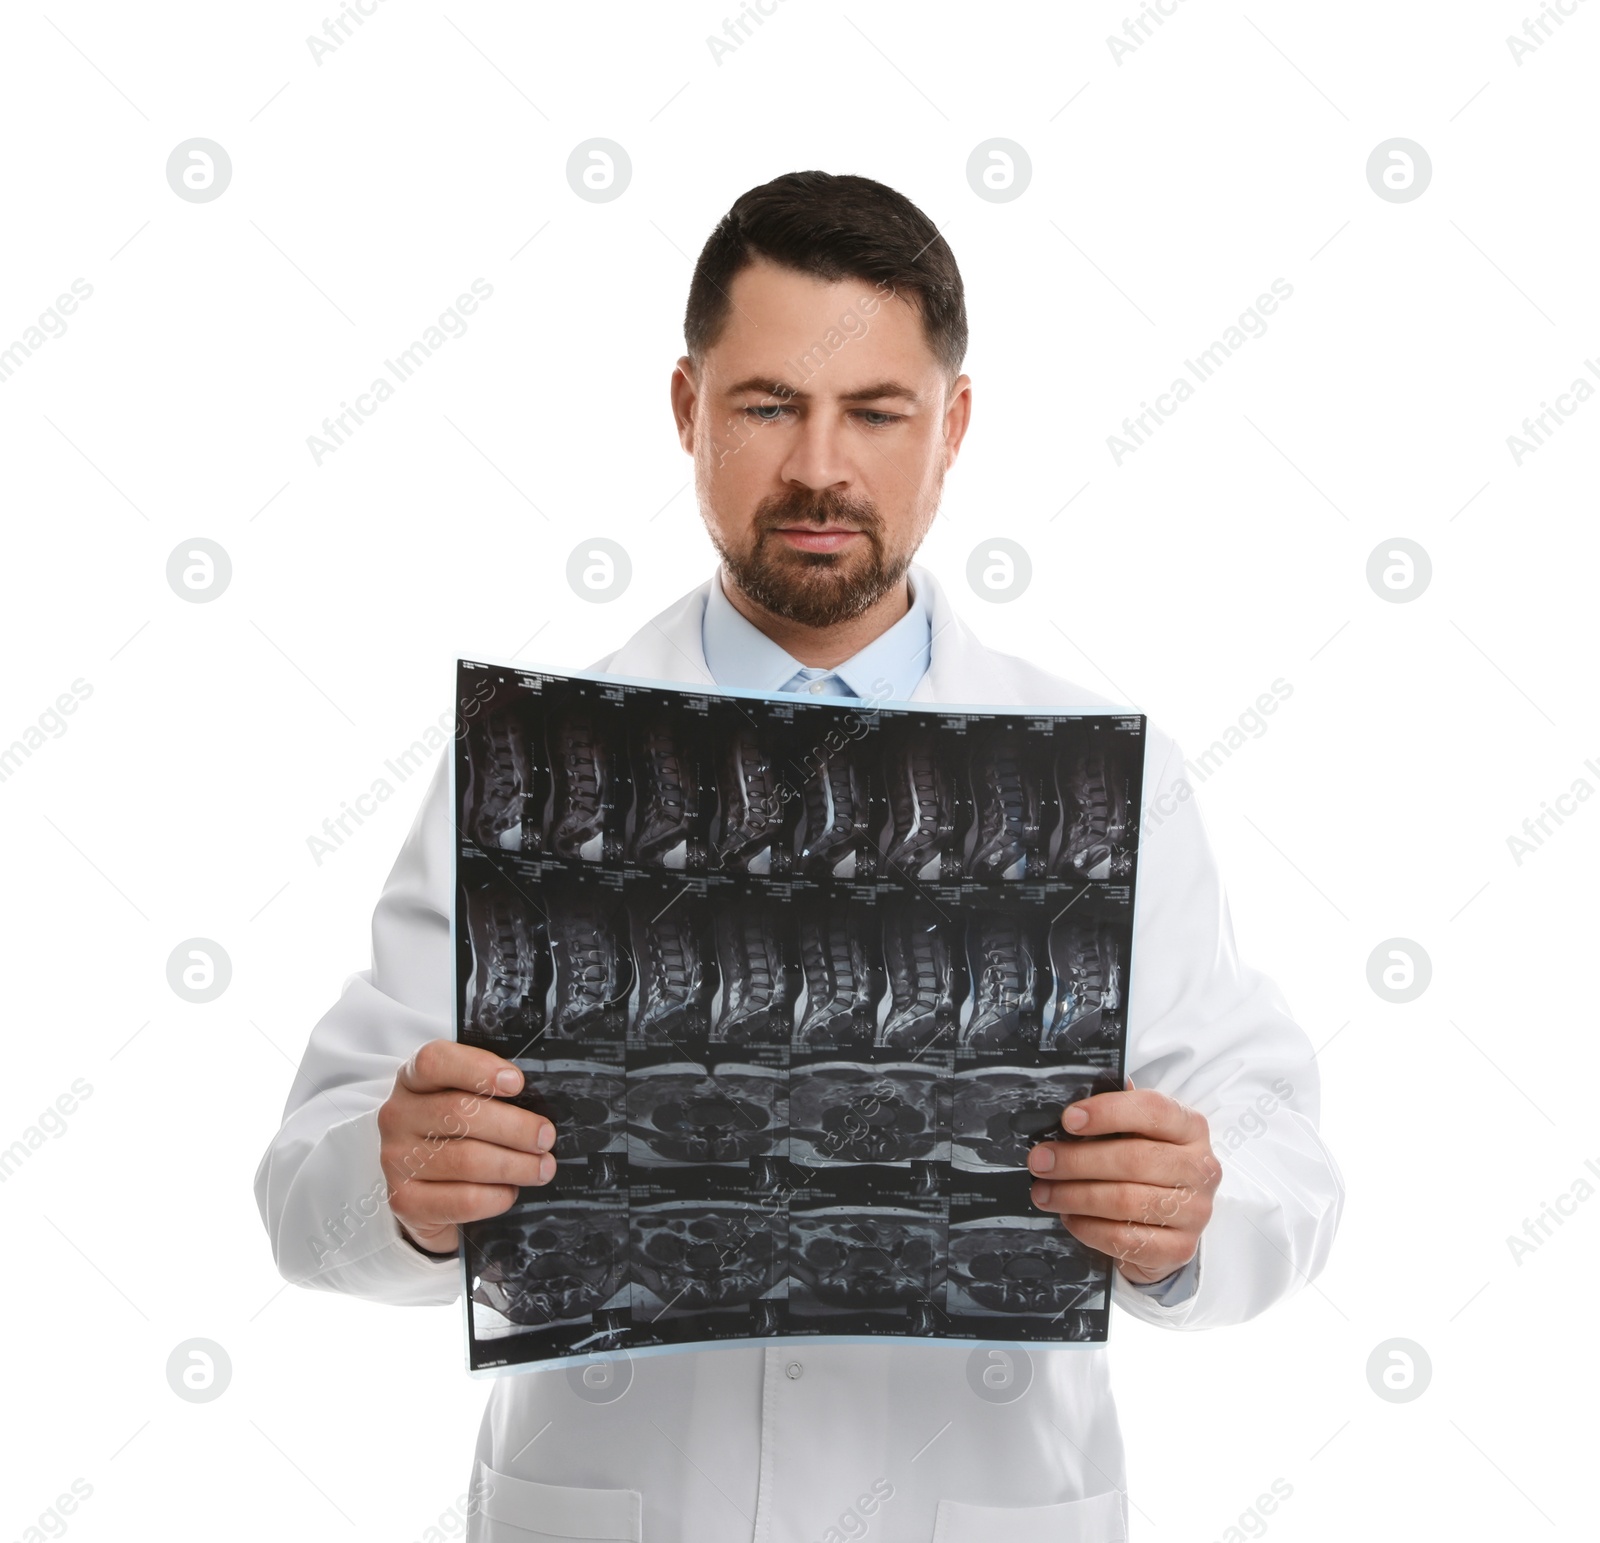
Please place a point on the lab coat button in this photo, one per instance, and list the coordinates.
(793, 1370)
(816, 688)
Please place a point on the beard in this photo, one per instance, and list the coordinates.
(815, 589)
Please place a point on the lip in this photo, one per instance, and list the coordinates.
(811, 538)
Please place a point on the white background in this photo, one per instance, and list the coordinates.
(1167, 192)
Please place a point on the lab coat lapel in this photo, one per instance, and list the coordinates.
(669, 646)
(960, 668)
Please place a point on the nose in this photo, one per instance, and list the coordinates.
(817, 457)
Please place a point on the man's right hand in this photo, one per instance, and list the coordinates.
(451, 1150)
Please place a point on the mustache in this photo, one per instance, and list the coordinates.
(825, 510)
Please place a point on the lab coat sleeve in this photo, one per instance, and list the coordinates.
(319, 1187)
(1216, 1035)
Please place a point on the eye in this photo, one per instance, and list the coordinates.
(882, 420)
(760, 411)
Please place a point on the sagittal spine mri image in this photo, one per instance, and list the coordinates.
(799, 983)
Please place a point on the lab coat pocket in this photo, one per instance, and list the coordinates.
(522, 1511)
(1099, 1519)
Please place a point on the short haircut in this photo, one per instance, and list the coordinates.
(832, 227)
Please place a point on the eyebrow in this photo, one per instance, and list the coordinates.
(877, 391)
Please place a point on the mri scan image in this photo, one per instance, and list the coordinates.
(508, 980)
(798, 982)
(756, 993)
(549, 1263)
(843, 1112)
(1000, 1112)
(1006, 789)
(922, 797)
(833, 838)
(666, 789)
(1086, 960)
(582, 1099)
(690, 1256)
(843, 979)
(1020, 1265)
(1096, 830)
(681, 1113)
(927, 976)
(503, 789)
(749, 804)
(593, 970)
(581, 793)
(675, 951)
(845, 1259)
(1010, 981)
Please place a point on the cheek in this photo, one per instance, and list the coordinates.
(927, 470)
(734, 458)
(727, 505)
(907, 521)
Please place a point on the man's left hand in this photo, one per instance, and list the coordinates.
(1142, 1196)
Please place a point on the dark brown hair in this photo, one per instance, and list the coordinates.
(833, 227)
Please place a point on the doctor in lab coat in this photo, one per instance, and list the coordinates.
(816, 512)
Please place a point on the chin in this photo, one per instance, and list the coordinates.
(814, 589)
(816, 607)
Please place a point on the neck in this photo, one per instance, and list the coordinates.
(822, 648)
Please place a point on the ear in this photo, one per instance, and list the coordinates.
(957, 415)
(685, 392)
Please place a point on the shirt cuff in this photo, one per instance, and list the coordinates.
(1175, 1288)
(427, 1253)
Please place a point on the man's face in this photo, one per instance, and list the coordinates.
(821, 426)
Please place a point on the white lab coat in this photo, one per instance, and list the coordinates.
(813, 1443)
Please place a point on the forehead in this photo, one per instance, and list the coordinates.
(778, 315)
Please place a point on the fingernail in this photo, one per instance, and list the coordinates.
(1041, 1159)
(507, 1080)
(1039, 1193)
(1075, 1118)
(546, 1138)
(547, 1168)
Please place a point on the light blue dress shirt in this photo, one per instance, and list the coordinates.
(888, 669)
(738, 653)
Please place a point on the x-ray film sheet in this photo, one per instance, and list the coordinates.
(799, 983)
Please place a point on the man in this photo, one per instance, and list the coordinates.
(821, 399)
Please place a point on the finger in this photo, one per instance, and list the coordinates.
(1150, 1204)
(450, 1115)
(438, 1205)
(482, 1162)
(1138, 1112)
(1153, 1252)
(443, 1064)
(1132, 1159)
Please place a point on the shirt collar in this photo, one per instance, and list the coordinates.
(740, 654)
